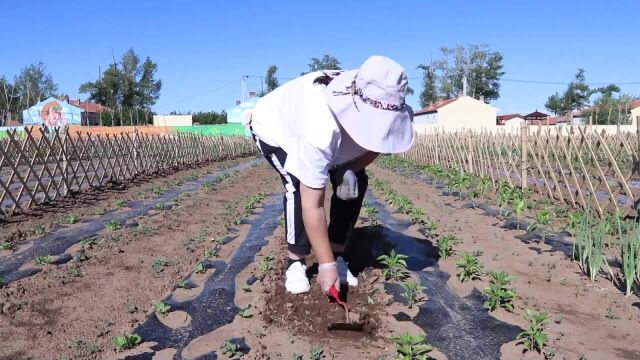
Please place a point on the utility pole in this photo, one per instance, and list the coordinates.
(244, 85)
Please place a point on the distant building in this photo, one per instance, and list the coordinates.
(91, 111)
(172, 120)
(582, 116)
(59, 112)
(463, 112)
(52, 112)
(537, 118)
(510, 120)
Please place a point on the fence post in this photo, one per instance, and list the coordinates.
(470, 152)
(524, 138)
(135, 151)
(436, 132)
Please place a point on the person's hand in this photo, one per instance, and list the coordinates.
(347, 184)
(328, 276)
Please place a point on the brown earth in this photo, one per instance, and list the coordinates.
(55, 312)
(75, 309)
(594, 320)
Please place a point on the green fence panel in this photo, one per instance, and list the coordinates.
(214, 130)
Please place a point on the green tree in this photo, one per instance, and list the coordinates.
(609, 109)
(326, 62)
(34, 84)
(127, 84)
(270, 80)
(429, 93)
(481, 67)
(575, 97)
(9, 100)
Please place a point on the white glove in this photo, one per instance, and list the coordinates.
(347, 184)
(328, 276)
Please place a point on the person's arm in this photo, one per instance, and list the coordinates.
(315, 222)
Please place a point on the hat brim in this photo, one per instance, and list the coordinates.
(381, 131)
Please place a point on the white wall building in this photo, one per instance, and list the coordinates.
(464, 112)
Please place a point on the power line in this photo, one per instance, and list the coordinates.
(537, 82)
(199, 95)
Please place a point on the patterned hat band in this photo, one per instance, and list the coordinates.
(354, 90)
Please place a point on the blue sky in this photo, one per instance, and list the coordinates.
(203, 47)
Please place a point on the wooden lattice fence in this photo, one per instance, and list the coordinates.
(36, 168)
(575, 165)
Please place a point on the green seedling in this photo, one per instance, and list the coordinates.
(411, 347)
(519, 206)
(245, 313)
(71, 219)
(588, 248)
(159, 206)
(101, 212)
(213, 252)
(395, 265)
(231, 350)
(630, 255)
(316, 352)
(120, 203)
(125, 342)
(200, 269)
(3, 282)
(162, 308)
(470, 268)
(431, 225)
(265, 266)
(86, 242)
(498, 293)
(113, 225)
(534, 337)
(445, 245)
(246, 287)
(371, 214)
(411, 292)
(175, 199)
(575, 218)
(42, 260)
(183, 284)
(159, 264)
(157, 190)
(282, 222)
(40, 230)
(7, 245)
(259, 333)
(417, 216)
(296, 356)
(543, 219)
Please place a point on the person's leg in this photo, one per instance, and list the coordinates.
(343, 216)
(298, 243)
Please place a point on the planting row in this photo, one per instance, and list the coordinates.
(499, 293)
(608, 247)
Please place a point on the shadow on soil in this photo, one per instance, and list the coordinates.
(59, 241)
(215, 305)
(458, 326)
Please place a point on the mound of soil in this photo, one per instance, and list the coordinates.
(311, 313)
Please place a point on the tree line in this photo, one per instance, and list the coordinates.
(128, 87)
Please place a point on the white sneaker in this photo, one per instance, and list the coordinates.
(296, 281)
(351, 280)
(342, 266)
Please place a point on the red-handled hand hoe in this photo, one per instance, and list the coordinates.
(346, 325)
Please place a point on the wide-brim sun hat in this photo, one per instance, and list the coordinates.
(369, 104)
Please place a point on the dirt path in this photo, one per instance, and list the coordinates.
(75, 309)
(592, 319)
